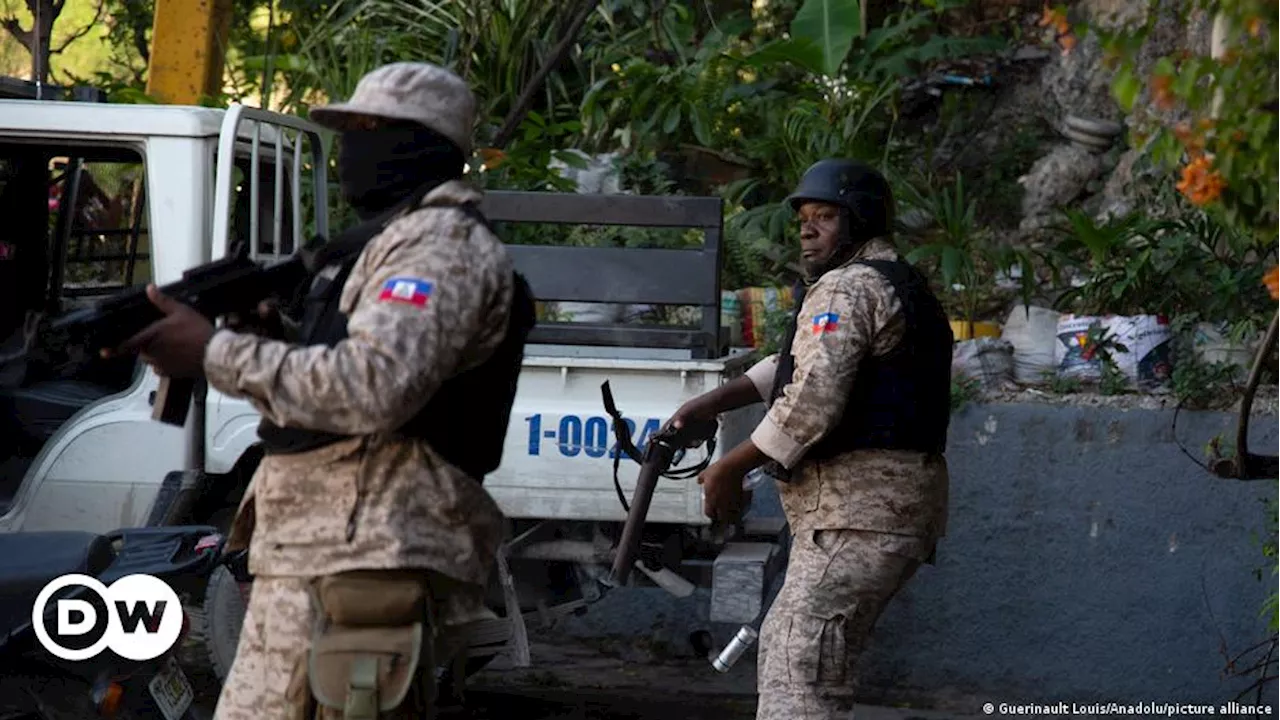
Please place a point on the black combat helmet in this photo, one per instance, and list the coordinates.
(854, 186)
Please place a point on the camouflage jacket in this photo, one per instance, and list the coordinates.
(853, 311)
(375, 500)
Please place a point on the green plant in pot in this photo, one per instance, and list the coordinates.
(967, 259)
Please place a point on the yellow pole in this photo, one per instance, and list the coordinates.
(187, 43)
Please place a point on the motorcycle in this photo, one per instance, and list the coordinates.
(36, 684)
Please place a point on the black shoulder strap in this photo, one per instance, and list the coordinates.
(787, 361)
(473, 212)
(350, 242)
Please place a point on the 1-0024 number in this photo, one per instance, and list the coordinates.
(591, 436)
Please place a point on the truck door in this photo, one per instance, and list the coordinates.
(77, 448)
(271, 186)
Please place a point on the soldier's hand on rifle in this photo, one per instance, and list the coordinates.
(174, 345)
(695, 410)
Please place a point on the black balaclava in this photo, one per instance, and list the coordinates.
(380, 168)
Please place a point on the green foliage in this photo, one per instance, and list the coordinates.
(1229, 106)
(780, 105)
(1112, 380)
(1200, 385)
(965, 258)
(1061, 384)
(1271, 607)
(964, 390)
(1190, 264)
(776, 322)
(821, 33)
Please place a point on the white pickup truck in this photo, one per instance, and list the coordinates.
(98, 198)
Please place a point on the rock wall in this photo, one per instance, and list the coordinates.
(1076, 86)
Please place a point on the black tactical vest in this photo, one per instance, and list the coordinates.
(901, 400)
(465, 421)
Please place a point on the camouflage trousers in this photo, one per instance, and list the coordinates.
(268, 679)
(837, 584)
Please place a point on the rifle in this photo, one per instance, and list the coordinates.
(233, 284)
(664, 449)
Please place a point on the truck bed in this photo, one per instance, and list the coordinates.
(558, 457)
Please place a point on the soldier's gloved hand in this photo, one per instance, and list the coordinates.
(267, 320)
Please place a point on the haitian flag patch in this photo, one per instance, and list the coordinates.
(825, 323)
(411, 291)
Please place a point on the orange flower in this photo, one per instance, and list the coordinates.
(1068, 42)
(1272, 281)
(1056, 18)
(1200, 183)
(1192, 141)
(1162, 91)
(1255, 26)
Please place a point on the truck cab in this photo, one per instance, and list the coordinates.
(101, 198)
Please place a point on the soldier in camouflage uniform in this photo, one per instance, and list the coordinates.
(855, 432)
(368, 529)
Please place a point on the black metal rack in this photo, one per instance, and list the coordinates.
(12, 88)
(621, 275)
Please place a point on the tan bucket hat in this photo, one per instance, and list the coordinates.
(417, 91)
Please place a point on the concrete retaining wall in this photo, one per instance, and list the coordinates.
(1088, 559)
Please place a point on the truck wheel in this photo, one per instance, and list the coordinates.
(225, 603)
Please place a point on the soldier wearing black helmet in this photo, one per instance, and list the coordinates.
(859, 402)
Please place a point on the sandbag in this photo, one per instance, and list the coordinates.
(1033, 333)
(1073, 353)
(1211, 345)
(987, 360)
(1145, 362)
(1149, 340)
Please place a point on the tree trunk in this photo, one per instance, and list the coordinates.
(37, 39)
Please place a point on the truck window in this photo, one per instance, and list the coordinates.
(75, 229)
(105, 236)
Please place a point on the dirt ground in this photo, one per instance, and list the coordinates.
(572, 681)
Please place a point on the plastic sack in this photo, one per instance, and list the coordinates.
(1149, 339)
(1146, 360)
(1211, 345)
(1074, 355)
(1033, 333)
(987, 360)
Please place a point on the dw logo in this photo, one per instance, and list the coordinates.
(138, 618)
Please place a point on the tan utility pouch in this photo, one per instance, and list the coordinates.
(370, 649)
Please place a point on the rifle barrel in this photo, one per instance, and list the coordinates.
(657, 459)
